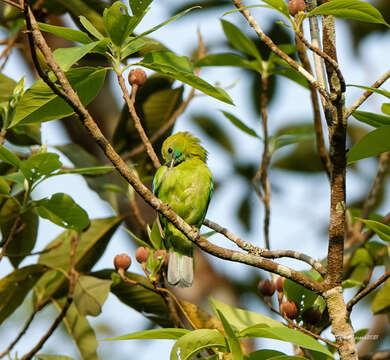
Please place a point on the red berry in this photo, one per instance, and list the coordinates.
(289, 309)
(137, 77)
(142, 254)
(122, 261)
(280, 283)
(266, 287)
(295, 6)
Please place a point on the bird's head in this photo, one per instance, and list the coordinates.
(180, 147)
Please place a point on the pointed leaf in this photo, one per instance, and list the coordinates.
(90, 28)
(63, 211)
(180, 68)
(4, 187)
(40, 104)
(350, 9)
(7, 86)
(90, 293)
(372, 119)
(9, 157)
(139, 6)
(117, 22)
(239, 40)
(374, 90)
(164, 334)
(66, 33)
(227, 59)
(382, 230)
(238, 123)
(15, 286)
(264, 354)
(381, 302)
(233, 342)
(293, 75)
(80, 330)
(374, 143)
(93, 170)
(40, 165)
(52, 357)
(285, 334)
(278, 5)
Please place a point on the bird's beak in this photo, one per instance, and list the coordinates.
(172, 162)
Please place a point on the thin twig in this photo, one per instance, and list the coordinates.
(11, 235)
(273, 47)
(366, 94)
(71, 97)
(320, 142)
(326, 57)
(7, 51)
(40, 252)
(367, 290)
(274, 254)
(137, 121)
(13, 4)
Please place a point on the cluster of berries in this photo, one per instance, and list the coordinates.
(123, 261)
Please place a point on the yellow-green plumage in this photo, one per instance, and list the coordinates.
(185, 183)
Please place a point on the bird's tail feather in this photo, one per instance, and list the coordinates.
(180, 270)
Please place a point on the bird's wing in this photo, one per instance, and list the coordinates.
(158, 179)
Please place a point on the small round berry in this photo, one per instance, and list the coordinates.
(137, 77)
(312, 316)
(142, 254)
(266, 287)
(122, 261)
(280, 283)
(289, 309)
(161, 253)
(295, 6)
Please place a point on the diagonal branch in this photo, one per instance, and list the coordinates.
(70, 96)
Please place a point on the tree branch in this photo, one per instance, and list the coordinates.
(367, 290)
(13, 4)
(70, 96)
(366, 94)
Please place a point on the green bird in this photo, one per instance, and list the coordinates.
(186, 184)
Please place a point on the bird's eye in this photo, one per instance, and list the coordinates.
(170, 150)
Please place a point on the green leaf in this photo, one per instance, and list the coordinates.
(285, 334)
(63, 211)
(293, 75)
(242, 319)
(117, 23)
(40, 165)
(90, 293)
(153, 29)
(4, 187)
(52, 357)
(227, 59)
(238, 123)
(164, 334)
(93, 170)
(195, 341)
(382, 230)
(386, 108)
(7, 86)
(264, 354)
(362, 256)
(381, 302)
(359, 335)
(90, 248)
(278, 5)
(90, 28)
(15, 286)
(80, 330)
(66, 57)
(372, 119)
(146, 302)
(350, 9)
(9, 157)
(239, 40)
(25, 135)
(9, 208)
(66, 33)
(232, 340)
(138, 45)
(180, 68)
(24, 240)
(138, 7)
(40, 104)
(374, 90)
(372, 144)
